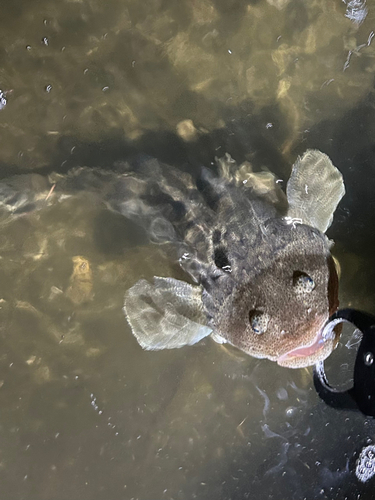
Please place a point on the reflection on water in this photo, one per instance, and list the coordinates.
(91, 71)
(85, 413)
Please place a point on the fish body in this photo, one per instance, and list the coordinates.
(264, 279)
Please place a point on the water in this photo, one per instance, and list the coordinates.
(84, 412)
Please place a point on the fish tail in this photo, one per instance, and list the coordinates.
(160, 198)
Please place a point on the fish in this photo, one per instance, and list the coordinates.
(259, 271)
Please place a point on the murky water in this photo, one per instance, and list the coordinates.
(85, 413)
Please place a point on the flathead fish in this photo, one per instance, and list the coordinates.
(259, 272)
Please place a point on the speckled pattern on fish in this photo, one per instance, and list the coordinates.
(264, 277)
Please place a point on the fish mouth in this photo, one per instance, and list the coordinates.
(317, 350)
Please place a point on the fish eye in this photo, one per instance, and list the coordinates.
(258, 321)
(302, 282)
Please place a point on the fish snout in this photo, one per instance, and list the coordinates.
(322, 339)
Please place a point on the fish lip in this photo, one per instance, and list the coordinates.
(324, 335)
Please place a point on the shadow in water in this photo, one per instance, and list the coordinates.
(257, 137)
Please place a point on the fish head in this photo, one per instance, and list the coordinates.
(283, 298)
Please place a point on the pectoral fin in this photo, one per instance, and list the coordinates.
(261, 183)
(166, 314)
(314, 190)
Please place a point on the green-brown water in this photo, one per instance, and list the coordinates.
(84, 412)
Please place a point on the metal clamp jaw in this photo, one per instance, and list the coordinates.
(362, 395)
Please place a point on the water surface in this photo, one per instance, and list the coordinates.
(85, 413)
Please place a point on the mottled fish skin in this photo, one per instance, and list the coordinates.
(239, 246)
(266, 279)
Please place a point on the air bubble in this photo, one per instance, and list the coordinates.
(369, 358)
(365, 467)
(289, 412)
(3, 100)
